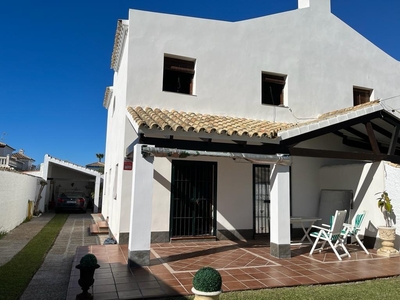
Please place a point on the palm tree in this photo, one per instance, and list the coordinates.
(99, 156)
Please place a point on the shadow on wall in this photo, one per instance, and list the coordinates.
(162, 180)
(365, 185)
(371, 239)
(370, 236)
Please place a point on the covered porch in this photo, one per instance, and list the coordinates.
(364, 133)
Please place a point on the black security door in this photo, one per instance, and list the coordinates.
(193, 204)
(261, 199)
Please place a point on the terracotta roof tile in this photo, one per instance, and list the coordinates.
(195, 122)
(162, 119)
(347, 110)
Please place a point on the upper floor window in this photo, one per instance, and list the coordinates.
(361, 95)
(272, 88)
(178, 75)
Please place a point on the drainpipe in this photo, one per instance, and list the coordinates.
(279, 159)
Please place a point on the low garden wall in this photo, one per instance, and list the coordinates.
(15, 191)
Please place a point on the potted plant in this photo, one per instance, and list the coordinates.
(207, 283)
(387, 233)
(87, 266)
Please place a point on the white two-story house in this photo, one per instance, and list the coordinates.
(223, 130)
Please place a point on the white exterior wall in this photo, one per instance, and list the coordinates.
(322, 56)
(234, 194)
(305, 174)
(116, 210)
(15, 191)
(365, 180)
(161, 194)
(392, 184)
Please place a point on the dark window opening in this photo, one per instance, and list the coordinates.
(178, 75)
(361, 96)
(272, 89)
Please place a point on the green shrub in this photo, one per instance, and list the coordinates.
(88, 261)
(207, 279)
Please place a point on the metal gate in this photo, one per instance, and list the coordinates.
(261, 199)
(193, 193)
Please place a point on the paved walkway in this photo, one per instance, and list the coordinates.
(17, 238)
(51, 280)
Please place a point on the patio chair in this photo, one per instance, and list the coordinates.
(354, 229)
(333, 235)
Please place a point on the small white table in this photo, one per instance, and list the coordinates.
(302, 221)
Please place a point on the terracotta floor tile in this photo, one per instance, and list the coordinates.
(242, 266)
(271, 282)
(253, 284)
(304, 280)
(105, 296)
(127, 286)
(243, 277)
(104, 288)
(125, 280)
(134, 294)
(234, 286)
(289, 281)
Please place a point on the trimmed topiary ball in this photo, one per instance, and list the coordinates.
(207, 279)
(88, 261)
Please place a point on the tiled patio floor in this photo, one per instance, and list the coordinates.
(243, 266)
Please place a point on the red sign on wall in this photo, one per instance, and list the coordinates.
(128, 165)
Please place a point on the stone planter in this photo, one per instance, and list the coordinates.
(199, 295)
(388, 236)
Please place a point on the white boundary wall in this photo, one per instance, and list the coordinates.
(15, 191)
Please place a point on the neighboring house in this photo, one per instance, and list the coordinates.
(97, 166)
(25, 162)
(5, 154)
(17, 161)
(226, 129)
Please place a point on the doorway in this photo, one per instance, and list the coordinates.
(261, 200)
(193, 199)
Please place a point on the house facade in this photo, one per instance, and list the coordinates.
(17, 161)
(224, 130)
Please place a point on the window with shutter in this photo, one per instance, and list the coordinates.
(178, 75)
(272, 88)
(361, 95)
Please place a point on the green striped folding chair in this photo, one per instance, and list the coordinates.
(354, 229)
(333, 235)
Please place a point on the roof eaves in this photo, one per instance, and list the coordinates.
(107, 96)
(167, 121)
(119, 40)
(331, 118)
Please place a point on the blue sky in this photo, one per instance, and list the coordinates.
(55, 62)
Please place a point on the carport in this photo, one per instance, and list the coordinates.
(62, 176)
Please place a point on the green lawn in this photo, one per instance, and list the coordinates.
(18, 272)
(386, 288)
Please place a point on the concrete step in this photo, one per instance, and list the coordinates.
(96, 229)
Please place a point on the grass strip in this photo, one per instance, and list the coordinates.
(16, 274)
(382, 288)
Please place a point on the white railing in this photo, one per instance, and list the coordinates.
(4, 161)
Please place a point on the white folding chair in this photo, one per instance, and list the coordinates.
(333, 235)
